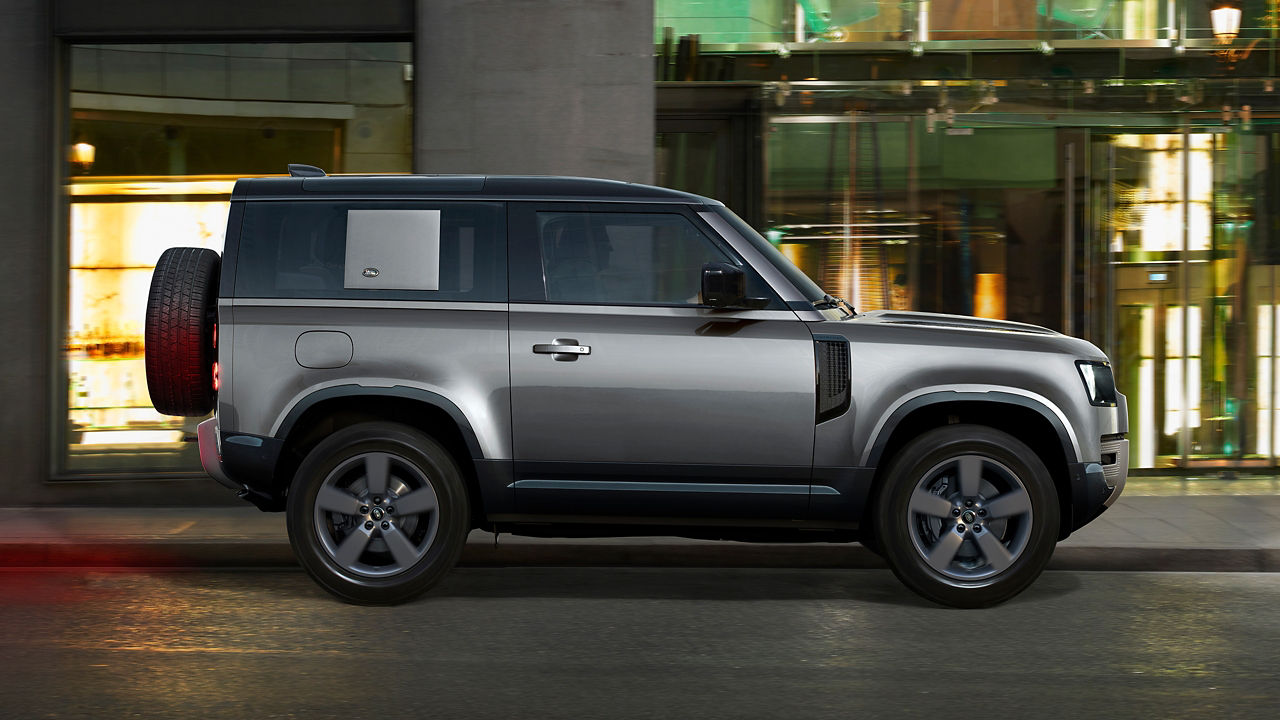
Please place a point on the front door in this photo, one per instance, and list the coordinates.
(631, 398)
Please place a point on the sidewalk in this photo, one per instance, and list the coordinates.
(1158, 524)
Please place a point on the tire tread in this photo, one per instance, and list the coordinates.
(181, 310)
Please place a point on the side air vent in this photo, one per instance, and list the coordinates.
(832, 352)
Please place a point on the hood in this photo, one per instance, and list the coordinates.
(958, 331)
(950, 322)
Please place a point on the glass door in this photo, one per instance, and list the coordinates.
(1192, 321)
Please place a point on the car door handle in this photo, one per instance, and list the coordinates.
(564, 349)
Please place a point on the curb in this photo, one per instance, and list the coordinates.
(269, 555)
(1167, 559)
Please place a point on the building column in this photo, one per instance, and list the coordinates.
(26, 216)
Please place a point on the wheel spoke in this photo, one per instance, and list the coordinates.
(926, 503)
(422, 500)
(970, 469)
(404, 551)
(1009, 504)
(332, 499)
(944, 551)
(377, 469)
(994, 551)
(352, 547)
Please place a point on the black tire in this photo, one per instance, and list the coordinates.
(395, 553)
(968, 516)
(182, 308)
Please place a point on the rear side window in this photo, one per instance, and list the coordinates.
(372, 250)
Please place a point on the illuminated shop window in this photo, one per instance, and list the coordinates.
(158, 135)
(1153, 208)
(1181, 391)
(114, 245)
(1266, 366)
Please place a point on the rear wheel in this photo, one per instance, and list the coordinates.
(378, 513)
(968, 516)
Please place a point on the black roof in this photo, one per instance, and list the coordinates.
(521, 187)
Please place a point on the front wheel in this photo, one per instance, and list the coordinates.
(968, 516)
(377, 513)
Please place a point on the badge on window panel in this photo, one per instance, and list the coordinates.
(370, 272)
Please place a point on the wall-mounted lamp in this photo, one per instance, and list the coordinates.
(1226, 16)
(1226, 21)
(82, 156)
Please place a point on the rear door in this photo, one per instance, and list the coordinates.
(628, 396)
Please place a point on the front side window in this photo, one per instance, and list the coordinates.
(608, 258)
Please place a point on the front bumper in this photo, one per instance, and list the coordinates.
(1115, 467)
(1095, 486)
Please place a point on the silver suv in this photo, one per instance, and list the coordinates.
(396, 360)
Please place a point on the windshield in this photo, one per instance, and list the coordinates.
(802, 282)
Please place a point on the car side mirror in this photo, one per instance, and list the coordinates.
(725, 286)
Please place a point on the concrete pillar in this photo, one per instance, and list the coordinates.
(548, 87)
(26, 216)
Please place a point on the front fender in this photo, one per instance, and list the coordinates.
(873, 451)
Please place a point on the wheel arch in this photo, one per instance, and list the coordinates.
(1028, 419)
(323, 412)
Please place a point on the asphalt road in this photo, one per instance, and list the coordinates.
(636, 643)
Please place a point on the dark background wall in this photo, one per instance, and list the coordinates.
(26, 218)
(237, 19)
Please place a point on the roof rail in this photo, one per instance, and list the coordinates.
(297, 170)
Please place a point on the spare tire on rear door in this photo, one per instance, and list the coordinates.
(180, 338)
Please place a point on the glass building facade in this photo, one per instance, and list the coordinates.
(1106, 169)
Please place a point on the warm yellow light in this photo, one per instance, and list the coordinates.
(793, 252)
(189, 185)
(1266, 364)
(112, 248)
(131, 437)
(82, 153)
(1146, 413)
(1226, 23)
(988, 296)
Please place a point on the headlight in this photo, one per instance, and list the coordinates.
(1098, 382)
